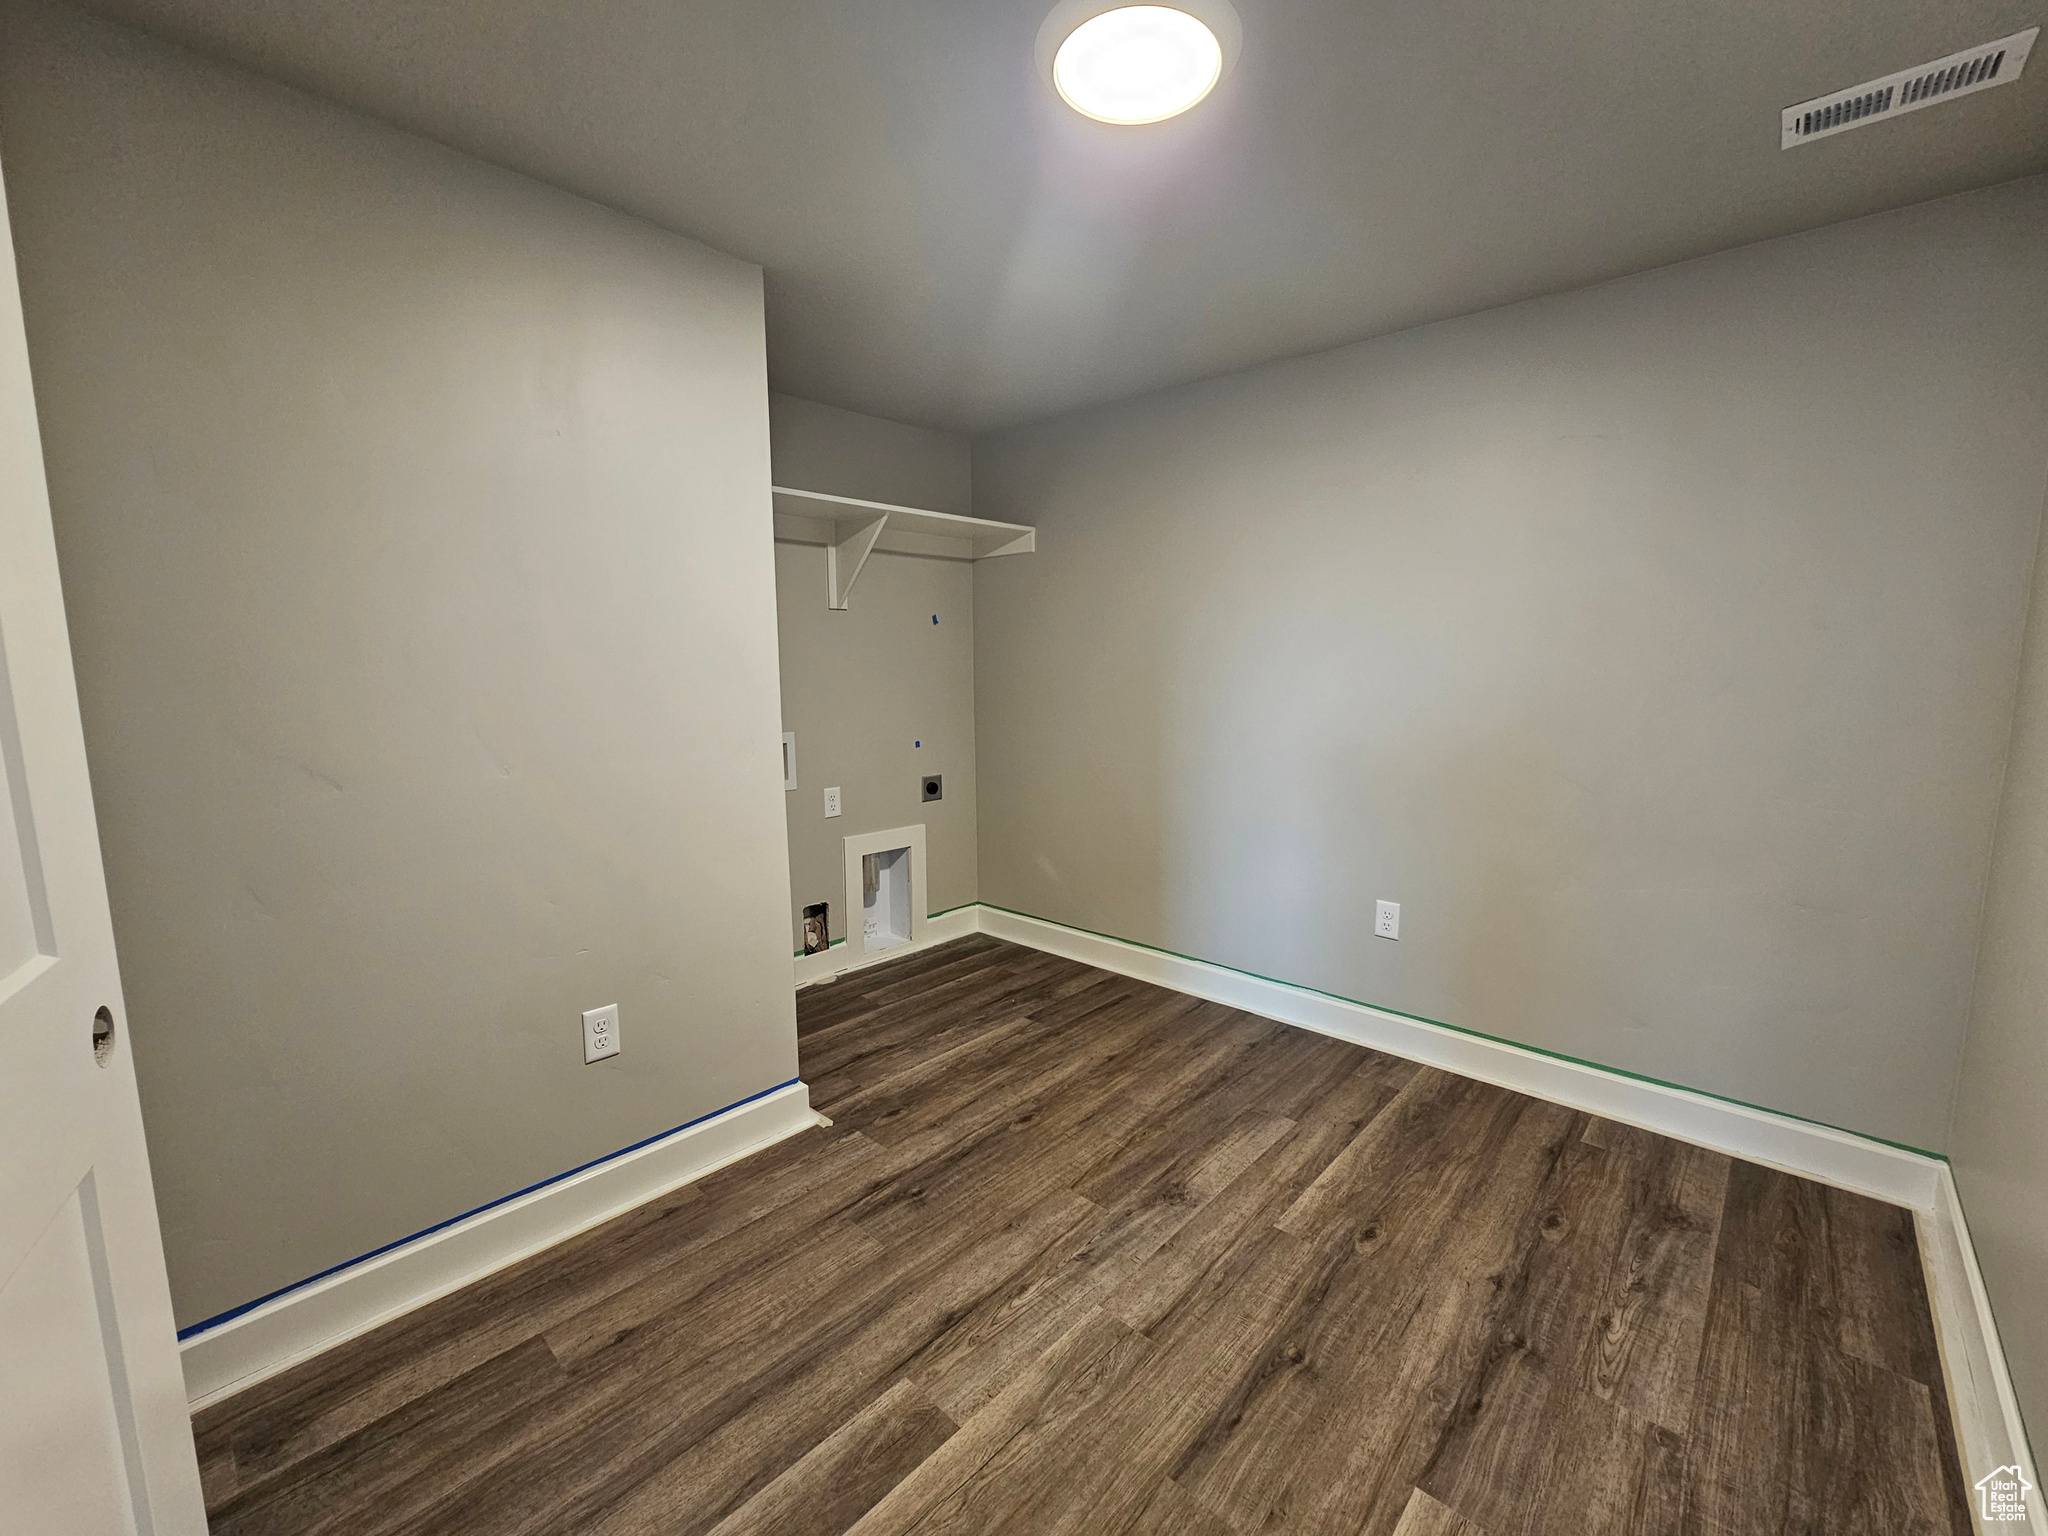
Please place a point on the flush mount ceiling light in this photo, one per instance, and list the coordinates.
(1136, 64)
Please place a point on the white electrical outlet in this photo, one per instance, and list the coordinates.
(600, 1033)
(832, 801)
(1386, 919)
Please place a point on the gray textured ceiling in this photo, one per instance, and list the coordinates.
(946, 244)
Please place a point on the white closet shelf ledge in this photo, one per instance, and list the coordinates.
(852, 529)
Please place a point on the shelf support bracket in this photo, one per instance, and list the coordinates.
(852, 543)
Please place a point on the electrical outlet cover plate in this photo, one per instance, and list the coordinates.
(832, 801)
(933, 786)
(600, 1033)
(1386, 919)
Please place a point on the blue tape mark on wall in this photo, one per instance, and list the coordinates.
(297, 1285)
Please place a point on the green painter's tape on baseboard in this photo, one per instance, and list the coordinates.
(1478, 1034)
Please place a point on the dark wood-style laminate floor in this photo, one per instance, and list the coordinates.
(1082, 1255)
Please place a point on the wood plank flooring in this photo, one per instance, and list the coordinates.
(1082, 1255)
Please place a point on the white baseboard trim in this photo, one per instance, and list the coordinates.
(1757, 1135)
(1989, 1433)
(299, 1324)
(293, 1327)
(847, 956)
(1988, 1427)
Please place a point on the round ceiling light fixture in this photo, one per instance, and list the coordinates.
(1135, 64)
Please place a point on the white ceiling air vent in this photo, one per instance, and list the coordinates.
(1974, 69)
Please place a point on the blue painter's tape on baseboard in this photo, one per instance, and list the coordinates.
(298, 1285)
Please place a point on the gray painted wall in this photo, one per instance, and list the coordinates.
(862, 686)
(843, 453)
(1999, 1142)
(1654, 645)
(415, 534)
